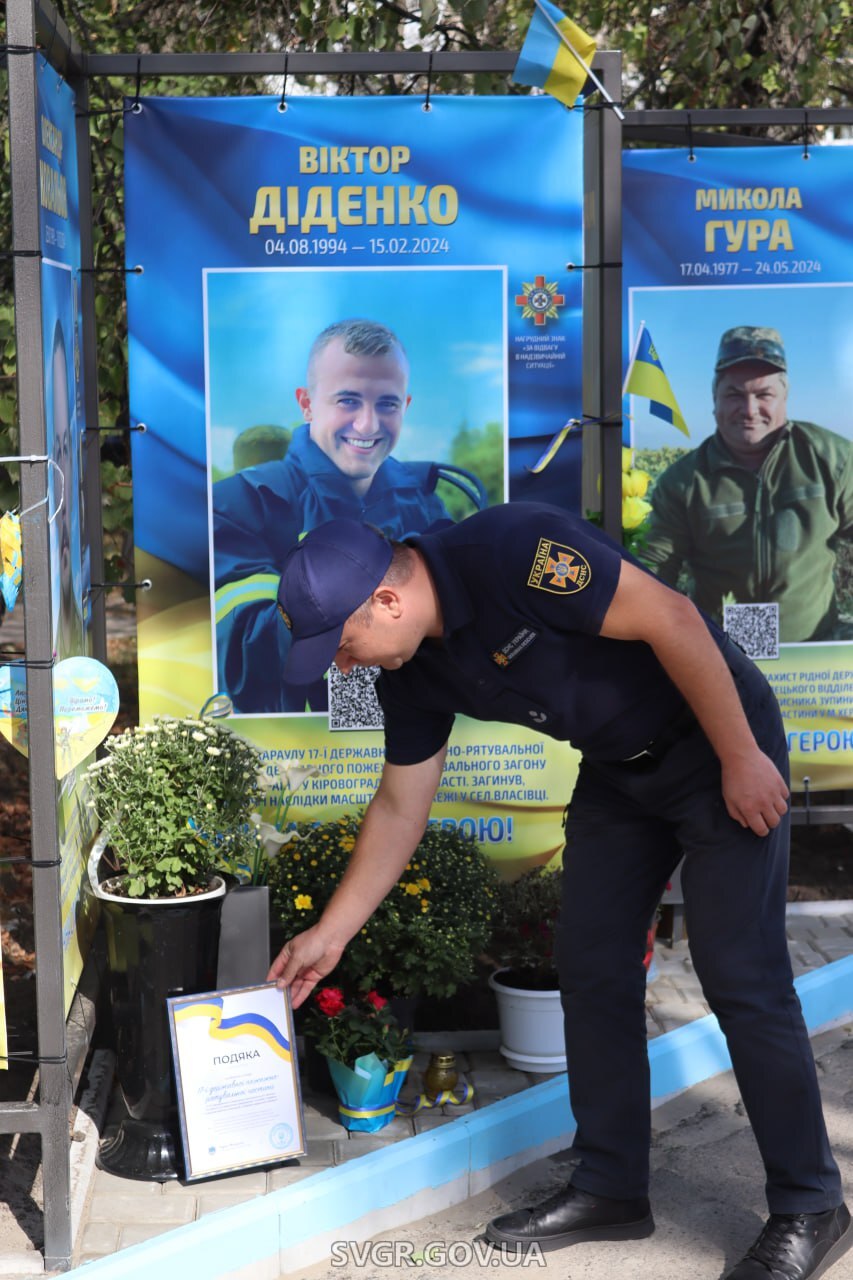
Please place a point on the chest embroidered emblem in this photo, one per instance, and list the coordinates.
(516, 644)
(558, 569)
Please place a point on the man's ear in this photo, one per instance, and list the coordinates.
(303, 399)
(387, 599)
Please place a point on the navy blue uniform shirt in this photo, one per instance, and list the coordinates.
(524, 589)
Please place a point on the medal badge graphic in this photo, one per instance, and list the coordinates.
(539, 300)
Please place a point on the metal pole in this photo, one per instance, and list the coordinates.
(54, 1082)
(93, 526)
(602, 304)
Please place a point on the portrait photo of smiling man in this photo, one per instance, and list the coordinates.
(356, 398)
(339, 462)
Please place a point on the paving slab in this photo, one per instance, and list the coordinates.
(707, 1199)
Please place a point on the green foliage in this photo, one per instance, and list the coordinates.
(524, 922)
(347, 1030)
(424, 937)
(116, 519)
(654, 461)
(479, 451)
(175, 797)
(726, 53)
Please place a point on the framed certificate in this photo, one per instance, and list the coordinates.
(237, 1079)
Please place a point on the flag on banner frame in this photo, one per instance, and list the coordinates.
(646, 377)
(555, 55)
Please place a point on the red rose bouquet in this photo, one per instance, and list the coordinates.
(345, 1030)
(367, 1051)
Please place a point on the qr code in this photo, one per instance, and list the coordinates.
(353, 703)
(755, 627)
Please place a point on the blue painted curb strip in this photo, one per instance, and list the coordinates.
(253, 1233)
(698, 1051)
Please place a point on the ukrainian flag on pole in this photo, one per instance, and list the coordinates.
(646, 378)
(555, 55)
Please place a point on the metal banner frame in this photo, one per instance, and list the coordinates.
(33, 29)
(61, 1047)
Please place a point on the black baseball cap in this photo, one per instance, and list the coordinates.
(326, 576)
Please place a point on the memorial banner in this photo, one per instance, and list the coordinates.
(59, 224)
(739, 262)
(362, 307)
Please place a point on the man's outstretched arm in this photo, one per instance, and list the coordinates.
(391, 830)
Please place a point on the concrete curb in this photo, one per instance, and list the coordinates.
(833, 907)
(290, 1229)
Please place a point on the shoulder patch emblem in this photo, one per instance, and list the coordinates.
(558, 569)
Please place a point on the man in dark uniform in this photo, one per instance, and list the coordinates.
(526, 614)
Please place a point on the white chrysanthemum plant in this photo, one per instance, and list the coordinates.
(174, 800)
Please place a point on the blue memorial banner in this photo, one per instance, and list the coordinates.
(351, 306)
(740, 262)
(59, 241)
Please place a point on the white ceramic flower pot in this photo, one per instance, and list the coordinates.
(531, 1024)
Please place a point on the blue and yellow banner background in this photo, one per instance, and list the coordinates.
(59, 234)
(59, 243)
(254, 228)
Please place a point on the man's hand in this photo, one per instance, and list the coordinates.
(302, 963)
(755, 792)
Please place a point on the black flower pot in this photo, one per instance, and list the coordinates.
(155, 949)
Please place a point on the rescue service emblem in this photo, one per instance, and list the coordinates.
(558, 569)
(285, 617)
(514, 646)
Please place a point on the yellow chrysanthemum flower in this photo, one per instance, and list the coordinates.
(303, 902)
(347, 843)
(425, 885)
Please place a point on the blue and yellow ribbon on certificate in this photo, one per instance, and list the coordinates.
(245, 1024)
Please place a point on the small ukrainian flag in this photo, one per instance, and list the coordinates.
(555, 55)
(646, 378)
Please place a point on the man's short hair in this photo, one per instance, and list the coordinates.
(359, 338)
(398, 573)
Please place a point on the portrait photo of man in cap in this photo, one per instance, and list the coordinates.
(756, 513)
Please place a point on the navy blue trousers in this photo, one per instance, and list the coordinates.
(626, 830)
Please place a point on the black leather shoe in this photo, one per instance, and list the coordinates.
(573, 1216)
(797, 1246)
